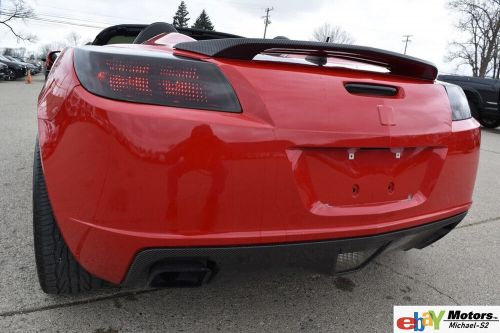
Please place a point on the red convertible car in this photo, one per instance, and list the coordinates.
(164, 153)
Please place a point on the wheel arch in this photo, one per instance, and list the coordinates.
(473, 96)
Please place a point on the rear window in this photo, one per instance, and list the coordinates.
(120, 39)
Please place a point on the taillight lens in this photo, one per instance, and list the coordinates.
(460, 109)
(154, 78)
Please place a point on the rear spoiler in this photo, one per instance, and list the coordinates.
(248, 48)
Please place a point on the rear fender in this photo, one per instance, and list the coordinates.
(59, 84)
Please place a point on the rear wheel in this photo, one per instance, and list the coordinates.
(58, 271)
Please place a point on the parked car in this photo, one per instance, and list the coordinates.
(32, 68)
(158, 160)
(15, 69)
(49, 61)
(38, 65)
(483, 96)
(3, 71)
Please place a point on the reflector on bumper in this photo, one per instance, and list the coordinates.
(351, 261)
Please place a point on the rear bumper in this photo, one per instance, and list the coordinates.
(334, 256)
(115, 192)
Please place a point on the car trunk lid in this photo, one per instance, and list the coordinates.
(354, 141)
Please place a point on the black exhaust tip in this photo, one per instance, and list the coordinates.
(182, 273)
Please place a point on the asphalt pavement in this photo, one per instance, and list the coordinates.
(463, 268)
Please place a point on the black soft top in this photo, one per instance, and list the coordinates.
(133, 30)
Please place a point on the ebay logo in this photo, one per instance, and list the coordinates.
(418, 323)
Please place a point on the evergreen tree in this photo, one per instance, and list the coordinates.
(203, 22)
(180, 18)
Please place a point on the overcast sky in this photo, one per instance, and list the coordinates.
(377, 23)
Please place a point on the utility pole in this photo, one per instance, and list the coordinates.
(406, 41)
(266, 20)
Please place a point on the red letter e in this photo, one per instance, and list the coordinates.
(406, 323)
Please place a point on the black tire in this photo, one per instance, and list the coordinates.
(11, 75)
(473, 109)
(58, 271)
(489, 122)
(484, 121)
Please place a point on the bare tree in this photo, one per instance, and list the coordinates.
(332, 34)
(54, 46)
(480, 21)
(74, 38)
(19, 52)
(19, 11)
(496, 61)
(44, 50)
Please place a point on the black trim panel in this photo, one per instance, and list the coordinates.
(370, 89)
(417, 237)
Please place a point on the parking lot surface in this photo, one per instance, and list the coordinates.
(463, 268)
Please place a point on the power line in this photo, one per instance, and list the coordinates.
(68, 23)
(266, 20)
(87, 14)
(93, 20)
(72, 18)
(62, 20)
(48, 20)
(406, 41)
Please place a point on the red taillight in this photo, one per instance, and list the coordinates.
(154, 78)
